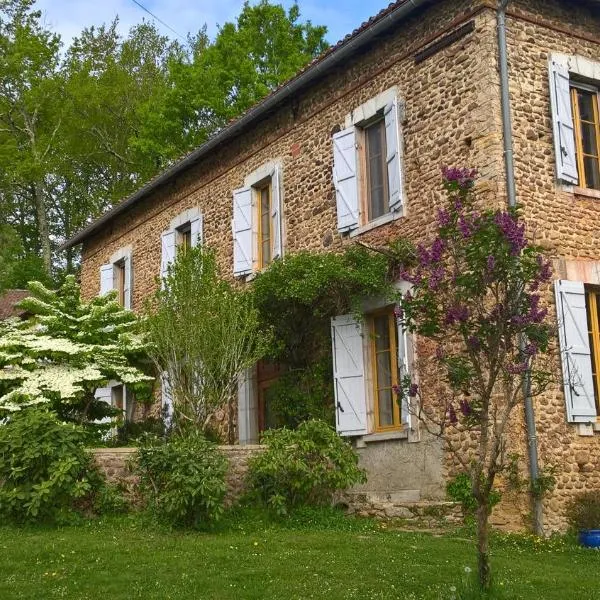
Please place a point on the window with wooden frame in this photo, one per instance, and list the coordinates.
(119, 281)
(586, 121)
(375, 196)
(384, 369)
(264, 212)
(592, 303)
(184, 237)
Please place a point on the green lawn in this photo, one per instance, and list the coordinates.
(127, 558)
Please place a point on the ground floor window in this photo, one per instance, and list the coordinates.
(592, 303)
(267, 374)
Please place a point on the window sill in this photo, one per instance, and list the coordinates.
(383, 220)
(382, 436)
(585, 192)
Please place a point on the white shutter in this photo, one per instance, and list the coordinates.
(349, 376)
(276, 213)
(562, 117)
(128, 280)
(105, 395)
(403, 368)
(106, 279)
(345, 179)
(247, 409)
(575, 351)
(242, 231)
(196, 232)
(394, 166)
(167, 239)
(167, 399)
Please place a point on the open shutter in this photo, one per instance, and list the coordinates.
(345, 179)
(403, 368)
(105, 395)
(167, 239)
(242, 231)
(349, 376)
(562, 117)
(276, 214)
(128, 280)
(166, 399)
(196, 232)
(106, 279)
(394, 166)
(575, 351)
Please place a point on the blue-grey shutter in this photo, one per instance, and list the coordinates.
(166, 399)
(563, 127)
(349, 376)
(167, 239)
(105, 395)
(576, 356)
(106, 279)
(404, 370)
(196, 232)
(128, 287)
(345, 179)
(393, 156)
(242, 231)
(276, 213)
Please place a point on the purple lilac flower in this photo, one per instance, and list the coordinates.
(517, 368)
(491, 263)
(536, 314)
(513, 231)
(437, 249)
(465, 407)
(413, 390)
(424, 256)
(545, 272)
(474, 342)
(396, 389)
(462, 176)
(436, 277)
(457, 314)
(531, 349)
(443, 217)
(464, 227)
(398, 312)
(452, 415)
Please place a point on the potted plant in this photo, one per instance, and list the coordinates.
(584, 517)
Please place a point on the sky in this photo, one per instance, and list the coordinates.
(69, 17)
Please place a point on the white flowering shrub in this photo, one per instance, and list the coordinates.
(66, 349)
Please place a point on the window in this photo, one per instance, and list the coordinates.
(377, 187)
(384, 369)
(184, 236)
(185, 231)
(584, 104)
(117, 275)
(592, 303)
(265, 239)
(367, 165)
(119, 281)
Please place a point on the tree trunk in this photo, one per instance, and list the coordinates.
(44, 231)
(483, 558)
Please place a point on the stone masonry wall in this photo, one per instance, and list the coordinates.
(452, 116)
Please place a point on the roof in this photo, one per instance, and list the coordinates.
(332, 57)
(7, 303)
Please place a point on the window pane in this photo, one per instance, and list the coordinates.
(265, 225)
(376, 170)
(384, 370)
(588, 139)
(586, 105)
(382, 333)
(591, 165)
(386, 408)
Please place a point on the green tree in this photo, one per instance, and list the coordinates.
(66, 349)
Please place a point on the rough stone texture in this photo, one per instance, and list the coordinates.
(452, 116)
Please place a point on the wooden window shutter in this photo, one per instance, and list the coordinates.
(345, 179)
(403, 371)
(575, 351)
(242, 231)
(393, 156)
(563, 127)
(276, 213)
(196, 231)
(128, 287)
(349, 376)
(167, 239)
(106, 279)
(166, 399)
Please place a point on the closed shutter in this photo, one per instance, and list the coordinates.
(196, 233)
(575, 351)
(345, 179)
(403, 368)
(394, 166)
(105, 395)
(349, 376)
(167, 239)
(242, 231)
(167, 399)
(276, 213)
(128, 280)
(562, 117)
(106, 279)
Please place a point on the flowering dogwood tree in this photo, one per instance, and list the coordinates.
(476, 303)
(65, 349)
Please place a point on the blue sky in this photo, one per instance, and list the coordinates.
(69, 17)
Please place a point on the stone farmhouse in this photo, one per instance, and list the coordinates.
(350, 150)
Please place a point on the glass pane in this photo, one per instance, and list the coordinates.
(377, 170)
(265, 225)
(382, 333)
(586, 105)
(588, 139)
(384, 370)
(591, 165)
(118, 397)
(386, 408)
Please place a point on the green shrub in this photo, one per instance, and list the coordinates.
(182, 479)
(460, 489)
(46, 472)
(584, 511)
(303, 466)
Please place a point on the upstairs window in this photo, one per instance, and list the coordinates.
(584, 104)
(377, 196)
(119, 281)
(118, 275)
(265, 238)
(185, 231)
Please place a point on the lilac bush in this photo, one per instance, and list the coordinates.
(476, 298)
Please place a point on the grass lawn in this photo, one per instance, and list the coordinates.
(126, 558)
